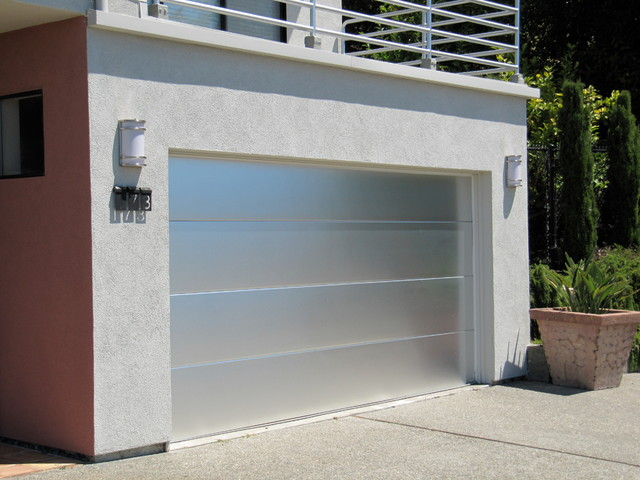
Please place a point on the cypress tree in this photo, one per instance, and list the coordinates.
(620, 222)
(578, 210)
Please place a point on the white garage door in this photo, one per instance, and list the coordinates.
(300, 289)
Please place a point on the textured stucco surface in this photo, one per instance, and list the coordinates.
(46, 374)
(127, 7)
(210, 100)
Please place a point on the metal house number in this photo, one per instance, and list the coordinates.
(132, 199)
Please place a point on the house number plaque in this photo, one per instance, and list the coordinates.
(132, 199)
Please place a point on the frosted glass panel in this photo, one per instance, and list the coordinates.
(227, 396)
(228, 325)
(209, 256)
(234, 190)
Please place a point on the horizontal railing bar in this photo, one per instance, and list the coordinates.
(437, 10)
(377, 41)
(466, 38)
(364, 53)
(487, 71)
(496, 33)
(485, 16)
(238, 14)
(438, 23)
(446, 56)
(484, 3)
(448, 38)
(442, 57)
(474, 20)
(385, 32)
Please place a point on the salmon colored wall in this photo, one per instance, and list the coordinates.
(46, 326)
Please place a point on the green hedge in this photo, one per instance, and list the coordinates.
(626, 262)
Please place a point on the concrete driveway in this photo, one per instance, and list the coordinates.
(519, 430)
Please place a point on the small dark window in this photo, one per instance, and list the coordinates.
(265, 8)
(21, 135)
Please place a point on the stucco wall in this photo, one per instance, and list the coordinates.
(46, 362)
(211, 100)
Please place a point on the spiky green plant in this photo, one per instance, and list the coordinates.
(587, 287)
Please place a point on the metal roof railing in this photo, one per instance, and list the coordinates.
(472, 37)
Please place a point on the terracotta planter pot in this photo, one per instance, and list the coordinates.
(586, 350)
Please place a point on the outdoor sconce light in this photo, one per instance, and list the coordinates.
(132, 143)
(514, 171)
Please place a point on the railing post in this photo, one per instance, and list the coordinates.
(517, 77)
(314, 24)
(430, 36)
(427, 60)
(158, 10)
(424, 35)
(517, 39)
(313, 41)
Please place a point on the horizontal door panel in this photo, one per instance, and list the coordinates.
(220, 326)
(215, 256)
(233, 395)
(235, 190)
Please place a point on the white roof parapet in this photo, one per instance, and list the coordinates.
(178, 32)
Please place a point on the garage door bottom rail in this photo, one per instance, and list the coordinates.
(313, 417)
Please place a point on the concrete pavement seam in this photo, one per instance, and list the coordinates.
(505, 442)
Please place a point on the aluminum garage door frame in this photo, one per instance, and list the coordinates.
(298, 289)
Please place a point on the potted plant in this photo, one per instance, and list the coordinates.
(586, 341)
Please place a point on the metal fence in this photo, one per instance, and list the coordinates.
(544, 215)
(473, 37)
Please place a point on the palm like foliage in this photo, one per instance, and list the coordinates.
(586, 287)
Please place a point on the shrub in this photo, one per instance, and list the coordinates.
(541, 294)
(620, 220)
(625, 262)
(579, 213)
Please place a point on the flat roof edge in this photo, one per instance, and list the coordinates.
(184, 33)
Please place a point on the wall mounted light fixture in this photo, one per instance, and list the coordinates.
(132, 143)
(514, 170)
